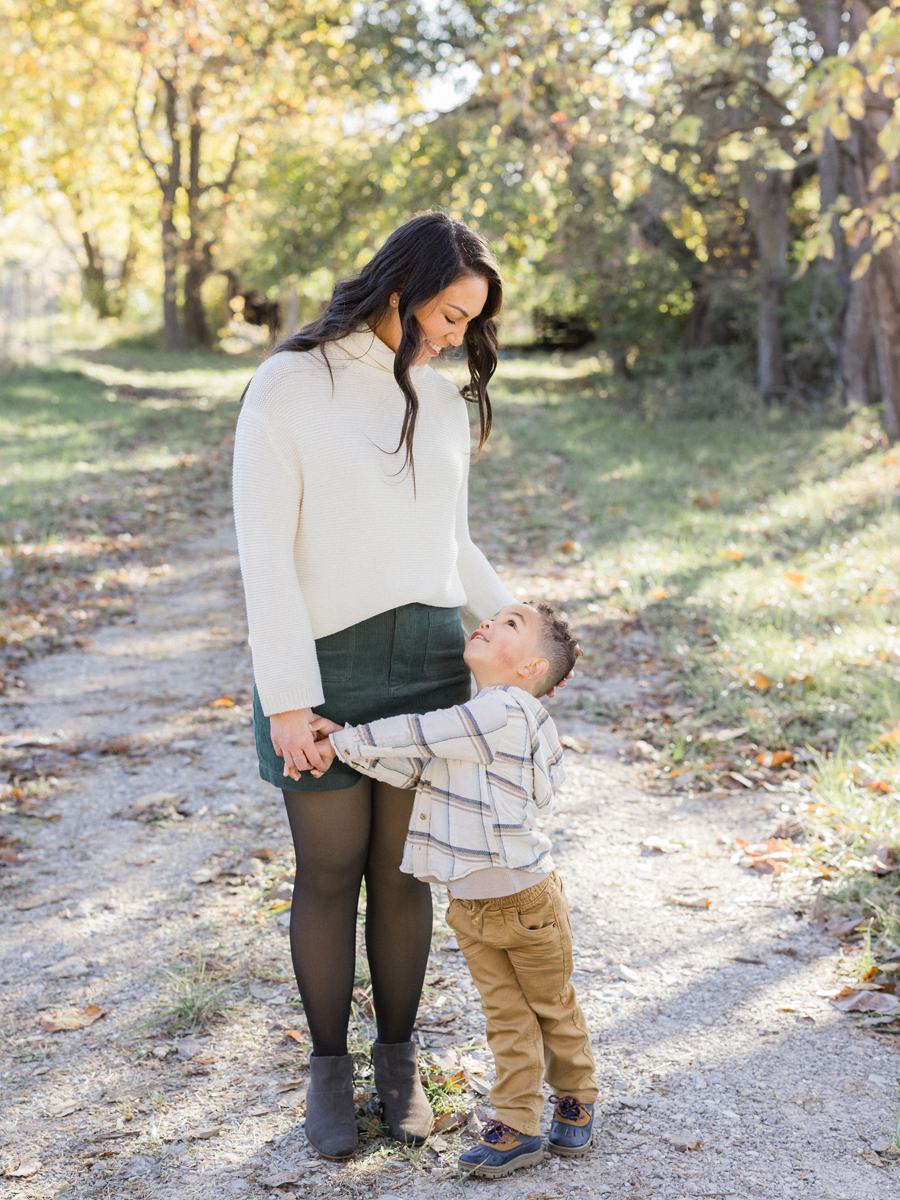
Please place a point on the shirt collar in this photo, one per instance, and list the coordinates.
(365, 346)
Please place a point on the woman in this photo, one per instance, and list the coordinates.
(350, 501)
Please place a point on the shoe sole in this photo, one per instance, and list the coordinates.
(515, 1164)
(570, 1151)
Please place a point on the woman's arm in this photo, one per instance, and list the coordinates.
(268, 492)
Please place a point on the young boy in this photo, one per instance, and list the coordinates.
(482, 771)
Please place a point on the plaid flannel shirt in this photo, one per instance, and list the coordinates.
(482, 771)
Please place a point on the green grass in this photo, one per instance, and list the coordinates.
(106, 459)
(763, 550)
(195, 999)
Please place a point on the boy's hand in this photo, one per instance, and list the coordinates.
(562, 683)
(321, 727)
(326, 753)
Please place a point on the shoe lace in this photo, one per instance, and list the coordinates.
(495, 1131)
(568, 1107)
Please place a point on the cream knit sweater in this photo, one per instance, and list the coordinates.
(329, 529)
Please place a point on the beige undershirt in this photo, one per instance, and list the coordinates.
(491, 883)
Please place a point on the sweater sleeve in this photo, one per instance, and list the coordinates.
(485, 592)
(268, 491)
(468, 732)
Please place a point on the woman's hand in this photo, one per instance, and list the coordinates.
(294, 740)
(562, 683)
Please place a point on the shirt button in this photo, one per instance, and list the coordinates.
(421, 816)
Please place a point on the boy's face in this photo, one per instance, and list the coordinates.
(507, 648)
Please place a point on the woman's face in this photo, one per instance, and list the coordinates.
(443, 319)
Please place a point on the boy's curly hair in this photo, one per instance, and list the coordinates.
(557, 645)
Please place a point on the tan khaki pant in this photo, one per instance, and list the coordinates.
(519, 950)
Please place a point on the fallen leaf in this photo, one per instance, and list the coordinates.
(291, 1085)
(760, 681)
(67, 1019)
(705, 902)
(156, 806)
(878, 785)
(568, 546)
(682, 1143)
(702, 502)
(735, 554)
(25, 1168)
(450, 1120)
(22, 740)
(295, 1035)
(187, 1047)
(662, 845)
(68, 968)
(741, 779)
(658, 593)
(728, 735)
(777, 759)
(283, 1179)
(205, 874)
(797, 578)
(478, 1085)
(579, 744)
(222, 702)
(202, 1133)
(871, 1157)
(800, 679)
(865, 1001)
(615, 510)
(840, 926)
(65, 1110)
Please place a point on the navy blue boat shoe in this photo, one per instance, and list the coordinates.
(501, 1151)
(571, 1128)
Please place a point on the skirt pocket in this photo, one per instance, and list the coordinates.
(335, 655)
(444, 645)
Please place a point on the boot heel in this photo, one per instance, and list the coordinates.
(407, 1112)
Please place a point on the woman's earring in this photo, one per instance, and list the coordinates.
(394, 302)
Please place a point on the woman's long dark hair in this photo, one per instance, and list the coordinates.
(420, 259)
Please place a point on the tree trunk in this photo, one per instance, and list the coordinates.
(196, 326)
(855, 345)
(886, 288)
(94, 277)
(199, 251)
(173, 331)
(768, 198)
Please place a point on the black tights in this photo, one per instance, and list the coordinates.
(341, 838)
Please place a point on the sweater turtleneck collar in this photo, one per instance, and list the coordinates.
(366, 346)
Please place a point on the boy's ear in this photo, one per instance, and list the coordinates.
(536, 668)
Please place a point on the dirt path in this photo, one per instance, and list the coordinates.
(724, 1070)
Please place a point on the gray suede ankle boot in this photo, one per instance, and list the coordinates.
(330, 1110)
(407, 1112)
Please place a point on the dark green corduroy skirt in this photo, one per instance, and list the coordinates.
(408, 659)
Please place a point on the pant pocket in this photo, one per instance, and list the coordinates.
(538, 923)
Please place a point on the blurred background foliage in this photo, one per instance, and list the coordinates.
(702, 190)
